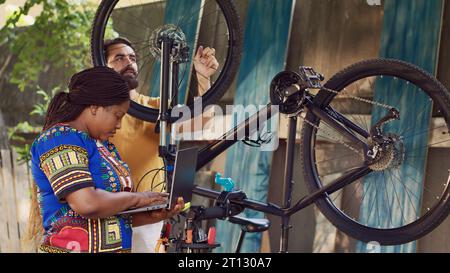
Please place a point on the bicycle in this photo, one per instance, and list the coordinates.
(379, 144)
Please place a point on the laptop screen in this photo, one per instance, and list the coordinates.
(182, 183)
(183, 175)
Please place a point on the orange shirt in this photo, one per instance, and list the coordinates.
(138, 144)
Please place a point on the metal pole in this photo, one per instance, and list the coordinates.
(173, 102)
(288, 182)
(164, 117)
(164, 91)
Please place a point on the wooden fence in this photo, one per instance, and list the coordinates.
(15, 197)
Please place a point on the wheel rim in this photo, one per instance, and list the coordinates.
(431, 199)
(207, 23)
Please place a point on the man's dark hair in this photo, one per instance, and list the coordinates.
(115, 41)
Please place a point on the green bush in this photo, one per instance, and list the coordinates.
(58, 42)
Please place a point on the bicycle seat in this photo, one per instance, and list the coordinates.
(250, 225)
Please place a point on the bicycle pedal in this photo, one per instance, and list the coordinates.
(309, 78)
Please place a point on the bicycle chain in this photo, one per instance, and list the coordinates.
(351, 97)
(360, 99)
(332, 137)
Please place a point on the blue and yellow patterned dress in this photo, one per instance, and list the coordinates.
(65, 160)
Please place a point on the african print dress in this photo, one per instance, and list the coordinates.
(65, 160)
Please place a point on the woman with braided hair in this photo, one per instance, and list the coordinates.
(80, 180)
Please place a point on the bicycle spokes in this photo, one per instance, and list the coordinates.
(407, 127)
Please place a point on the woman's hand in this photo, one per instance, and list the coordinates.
(96, 203)
(166, 214)
(155, 216)
(150, 198)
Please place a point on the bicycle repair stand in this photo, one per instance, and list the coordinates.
(171, 47)
(173, 50)
(170, 44)
(194, 239)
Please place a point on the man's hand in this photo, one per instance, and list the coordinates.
(206, 65)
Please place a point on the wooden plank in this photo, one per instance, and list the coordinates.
(439, 136)
(411, 32)
(216, 127)
(22, 194)
(325, 235)
(266, 37)
(3, 216)
(9, 203)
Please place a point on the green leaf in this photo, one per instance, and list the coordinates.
(58, 43)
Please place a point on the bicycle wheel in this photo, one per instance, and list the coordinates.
(389, 200)
(207, 23)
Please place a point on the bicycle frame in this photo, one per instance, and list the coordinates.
(215, 148)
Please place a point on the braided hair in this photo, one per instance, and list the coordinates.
(99, 86)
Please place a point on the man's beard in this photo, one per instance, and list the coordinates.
(131, 78)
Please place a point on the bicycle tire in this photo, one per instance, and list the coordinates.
(343, 222)
(219, 87)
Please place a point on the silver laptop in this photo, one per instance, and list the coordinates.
(182, 183)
